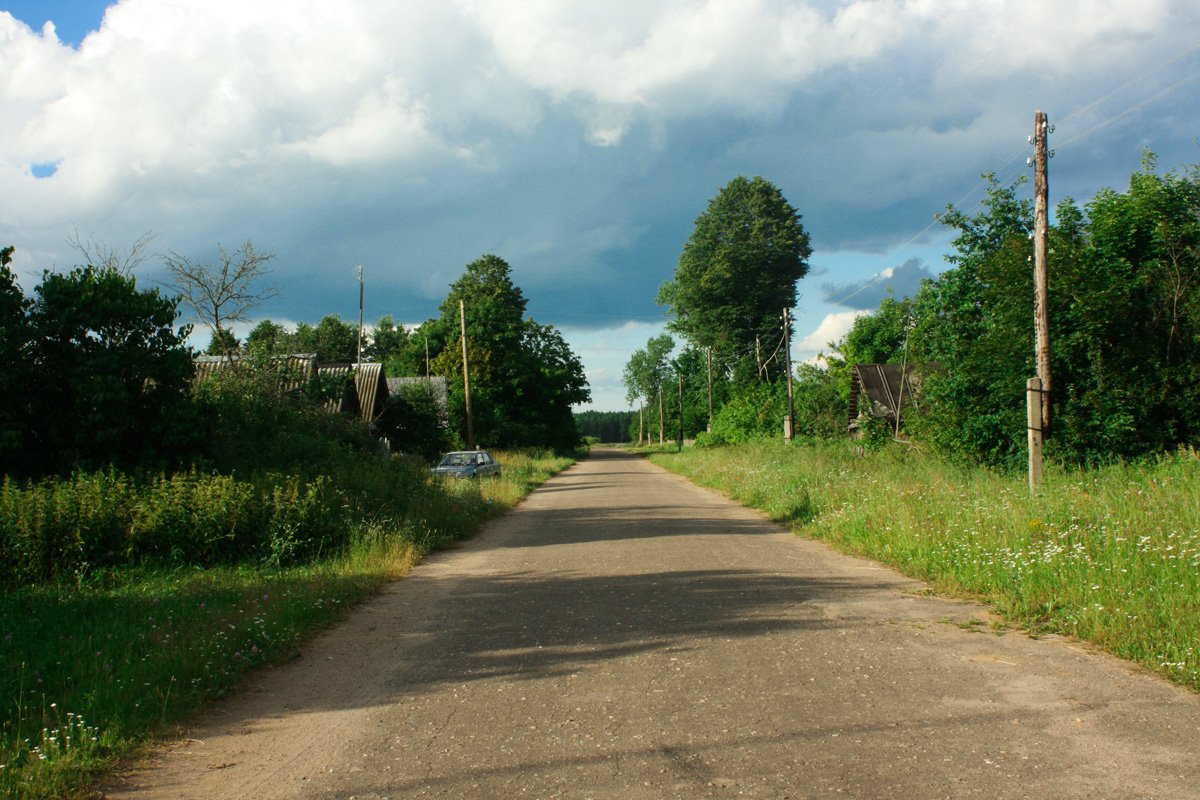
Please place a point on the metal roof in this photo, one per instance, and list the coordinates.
(880, 390)
(370, 387)
(294, 369)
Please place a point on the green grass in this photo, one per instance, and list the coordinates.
(1110, 555)
(93, 669)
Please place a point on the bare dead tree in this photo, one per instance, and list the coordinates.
(222, 293)
(98, 253)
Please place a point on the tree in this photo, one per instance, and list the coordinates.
(335, 340)
(388, 340)
(268, 338)
(524, 377)
(554, 382)
(332, 339)
(1124, 312)
(223, 343)
(112, 372)
(99, 253)
(646, 375)
(412, 421)
(15, 375)
(226, 292)
(738, 271)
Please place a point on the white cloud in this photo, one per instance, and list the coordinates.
(831, 329)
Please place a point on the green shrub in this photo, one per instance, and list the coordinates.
(756, 412)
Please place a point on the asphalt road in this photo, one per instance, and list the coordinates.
(624, 634)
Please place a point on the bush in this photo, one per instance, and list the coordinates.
(59, 529)
(756, 412)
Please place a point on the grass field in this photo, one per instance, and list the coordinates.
(90, 672)
(1110, 555)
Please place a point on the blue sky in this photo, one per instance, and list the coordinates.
(577, 140)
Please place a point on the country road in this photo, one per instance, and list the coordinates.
(624, 634)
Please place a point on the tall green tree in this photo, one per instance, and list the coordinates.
(646, 375)
(738, 271)
(387, 340)
(223, 342)
(112, 371)
(332, 339)
(1124, 310)
(268, 338)
(15, 374)
(523, 375)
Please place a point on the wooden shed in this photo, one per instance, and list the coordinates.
(882, 391)
(369, 387)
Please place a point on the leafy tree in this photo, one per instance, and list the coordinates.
(523, 376)
(646, 375)
(15, 374)
(331, 339)
(605, 426)
(388, 340)
(554, 381)
(1126, 344)
(738, 271)
(223, 342)
(756, 411)
(412, 422)
(223, 293)
(975, 323)
(268, 338)
(692, 365)
(112, 371)
(1124, 325)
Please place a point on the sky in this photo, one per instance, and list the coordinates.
(577, 140)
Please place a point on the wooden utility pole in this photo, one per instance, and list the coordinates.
(680, 374)
(1041, 211)
(1033, 405)
(358, 270)
(662, 421)
(787, 360)
(462, 317)
(710, 403)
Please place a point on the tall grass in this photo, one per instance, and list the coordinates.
(96, 661)
(1109, 555)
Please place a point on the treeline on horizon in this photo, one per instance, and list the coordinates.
(1124, 314)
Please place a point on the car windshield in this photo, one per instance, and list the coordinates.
(457, 460)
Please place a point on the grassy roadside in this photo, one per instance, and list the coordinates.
(1111, 555)
(92, 671)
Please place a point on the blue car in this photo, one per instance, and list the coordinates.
(467, 464)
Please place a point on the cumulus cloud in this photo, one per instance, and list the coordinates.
(829, 331)
(577, 139)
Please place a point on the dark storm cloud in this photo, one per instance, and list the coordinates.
(902, 281)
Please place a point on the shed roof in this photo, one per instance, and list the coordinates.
(294, 369)
(880, 390)
(370, 387)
